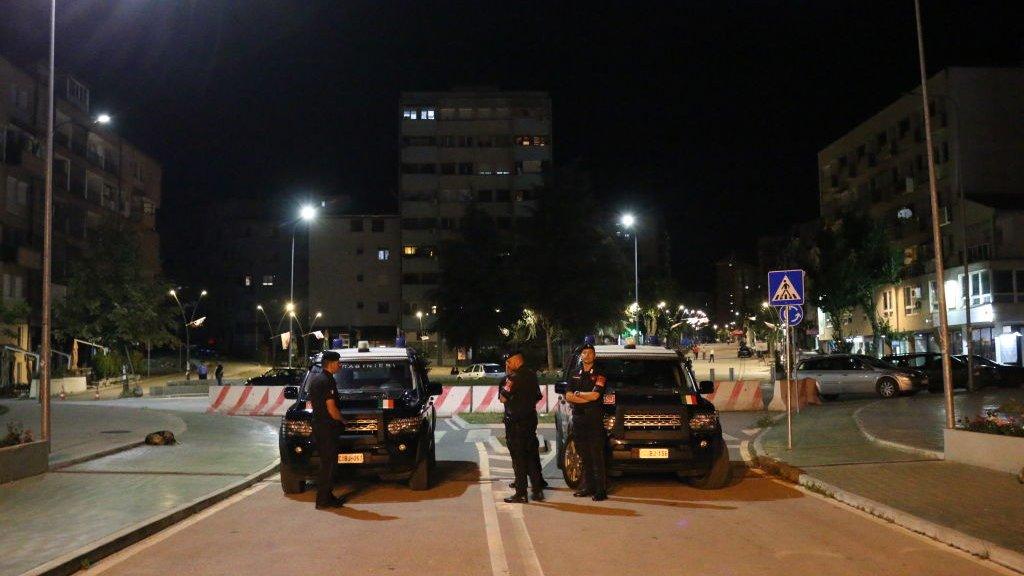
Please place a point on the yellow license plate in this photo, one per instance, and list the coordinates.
(654, 452)
(350, 458)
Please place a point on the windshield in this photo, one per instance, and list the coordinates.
(375, 375)
(492, 368)
(624, 373)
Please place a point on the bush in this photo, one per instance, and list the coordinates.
(107, 365)
(16, 434)
(1007, 420)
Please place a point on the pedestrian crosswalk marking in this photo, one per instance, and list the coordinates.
(786, 292)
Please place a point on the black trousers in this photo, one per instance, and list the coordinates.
(521, 437)
(327, 447)
(588, 430)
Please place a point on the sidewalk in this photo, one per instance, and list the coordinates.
(232, 370)
(976, 509)
(55, 517)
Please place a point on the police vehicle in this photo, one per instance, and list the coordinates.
(654, 416)
(385, 399)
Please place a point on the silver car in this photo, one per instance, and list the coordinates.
(857, 374)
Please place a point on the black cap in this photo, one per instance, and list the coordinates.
(512, 353)
(587, 346)
(329, 356)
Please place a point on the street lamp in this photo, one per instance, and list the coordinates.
(419, 316)
(306, 214)
(270, 333)
(628, 221)
(188, 321)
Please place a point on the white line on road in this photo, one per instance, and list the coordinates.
(439, 434)
(115, 559)
(500, 470)
(499, 564)
(728, 437)
(451, 424)
(477, 435)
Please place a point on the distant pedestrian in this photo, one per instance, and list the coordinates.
(219, 374)
(188, 373)
(202, 370)
(711, 355)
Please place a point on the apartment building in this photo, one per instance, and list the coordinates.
(739, 288)
(98, 176)
(881, 166)
(480, 147)
(355, 275)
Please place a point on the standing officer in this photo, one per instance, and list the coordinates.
(327, 423)
(586, 394)
(519, 393)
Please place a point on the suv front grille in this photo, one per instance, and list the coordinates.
(651, 421)
(362, 425)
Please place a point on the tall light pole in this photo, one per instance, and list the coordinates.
(419, 316)
(628, 221)
(270, 333)
(187, 321)
(306, 214)
(940, 268)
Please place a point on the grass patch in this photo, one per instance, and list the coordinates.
(496, 418)
(765, 421)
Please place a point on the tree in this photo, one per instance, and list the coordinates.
(847, 262)
(110, 300)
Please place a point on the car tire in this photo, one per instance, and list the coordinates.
(829, 397)
(433, 456)
(887, 388)
(558, 443)
(292, 483)
(571, 463)
(720, 473)
(420, 479)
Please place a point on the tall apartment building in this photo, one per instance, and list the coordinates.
(482, 147)
(97, 176)
(355, 275)
(977, 117)
(739, 288)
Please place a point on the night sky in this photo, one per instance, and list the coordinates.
(711, 112)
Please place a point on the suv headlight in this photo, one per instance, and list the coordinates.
(704, 422)
(609, 422)
(404, 425)
(298, 428)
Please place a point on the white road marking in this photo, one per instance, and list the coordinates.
(501, 457)
(745, 451)
(439, 434)
(115, 559)
(728, 437)
(451, 424)
(751, 431)
(477, 435)
(499, 564)
(502, 470)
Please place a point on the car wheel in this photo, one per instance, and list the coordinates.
(292, 483)
(558, 443)
(720, 473)
(887, 388)
(433, 455)
(420, 479)
(572, 464)
(829, 397)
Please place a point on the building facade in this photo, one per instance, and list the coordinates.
(355, 275)
(881, 166)
(97, 177)
(480, 147)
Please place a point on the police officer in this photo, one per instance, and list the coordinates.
(327, 424)
(519, 393)
(586, 394)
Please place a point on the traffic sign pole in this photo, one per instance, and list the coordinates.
(789, 394)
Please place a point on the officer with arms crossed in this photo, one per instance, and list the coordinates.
(519, 393)
(586, 394)
(327, 424)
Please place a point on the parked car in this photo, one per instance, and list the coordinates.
(744, 351)
(931, 364)
(280, 376)
(858, 374)
(1002, 375)
(482, 372)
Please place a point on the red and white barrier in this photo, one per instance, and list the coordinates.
(737, 396)
(459, 399)
(805, 393)
(248, 400)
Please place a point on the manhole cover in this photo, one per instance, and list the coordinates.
(115, 431)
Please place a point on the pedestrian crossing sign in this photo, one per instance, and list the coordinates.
(785, 287)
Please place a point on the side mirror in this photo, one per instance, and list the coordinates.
(291, 392)
(560, 387)
(434, 389)
(707, 387)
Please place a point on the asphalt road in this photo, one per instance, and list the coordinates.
(650, 525)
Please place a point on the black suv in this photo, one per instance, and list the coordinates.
(279, 376)
(655, 416)
(389, 420)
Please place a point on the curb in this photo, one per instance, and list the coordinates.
(90, 553)
(975, 546)
(933, 454)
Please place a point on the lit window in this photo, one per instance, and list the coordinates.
(409, 250)
(248, 280)
(410, 114)
(268, 279)
(427, 114)
(383, 254)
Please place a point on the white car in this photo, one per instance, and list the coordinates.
(482, 372)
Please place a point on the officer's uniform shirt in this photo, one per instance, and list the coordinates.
(521, 392)
(584, 381)
(321, 389)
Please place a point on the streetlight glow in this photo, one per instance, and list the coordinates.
(318, 314)
(627, 220)
(289, 307)
(307, 213)
(259, 306)
(103, 119)
(203, 293)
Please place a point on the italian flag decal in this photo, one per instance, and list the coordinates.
(387, 403)
(691, 400)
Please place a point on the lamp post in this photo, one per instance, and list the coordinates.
(419, 316)
(306, 214)
(628, 221)
(305, 339)
(270, 333)
(187, 321)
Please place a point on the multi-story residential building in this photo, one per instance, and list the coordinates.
(482, 147)
(98, 176)
(355, 275)
(738, 288)
(881, 166)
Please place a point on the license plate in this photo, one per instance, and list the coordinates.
(654, 452)
(350, 458)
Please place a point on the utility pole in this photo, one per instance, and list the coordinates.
(44, 356)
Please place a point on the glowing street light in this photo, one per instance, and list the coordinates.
(306, 214)
(103, 119)
(628, 221)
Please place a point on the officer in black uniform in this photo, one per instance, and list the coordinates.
(327, 424)
(586, 394)
(519, 393)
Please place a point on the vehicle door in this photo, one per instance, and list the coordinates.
(860, 376)
(827, 374)
(810, 368)
(564, 409)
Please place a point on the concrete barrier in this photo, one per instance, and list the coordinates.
(805, 393)
(69, 384)
(737, 396)
(248, 400)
